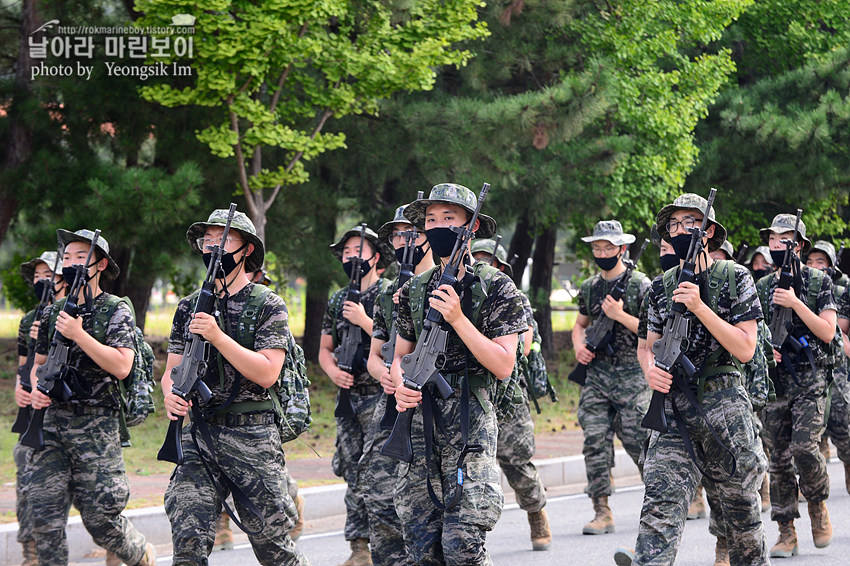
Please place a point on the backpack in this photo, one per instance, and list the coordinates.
(290, 396)
(834, 349)
(756, 372)
(535, 374)
(135, 392)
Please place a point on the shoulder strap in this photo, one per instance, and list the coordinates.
(632, 296)
(246, 328)
(763, 286)
(101, 317)
(816, 277)
(722, 270)
(483, 274)
(416, 295)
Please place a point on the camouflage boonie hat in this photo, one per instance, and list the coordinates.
(383, 248)
(765, 253)
(610, 230)
(65, 237)
(485, 245)
(28, 269)
(825, 247)
(385, 231)
(451, 193)
(691, 201)
(727, 248)
(785, 223)
(242, 224)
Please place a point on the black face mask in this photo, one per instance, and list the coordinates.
(442, 240)
(759, 273)
(681, 244)
(70, 273)
(607, 263)
(418, 255)
(39, 287)
(668, 261)
(365, 267)
(778, 256)
(228, 262)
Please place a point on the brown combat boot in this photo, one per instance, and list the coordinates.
(697, 508)
(821, 527)
(299, 524)
(786, 544)
(721, 552)
(360, 554)
(603, 521)
(223, 534)
(541, 536)
(112, 559)
(30, 554)
(764, 493)
(149, 559)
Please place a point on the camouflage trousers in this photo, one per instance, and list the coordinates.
(455, 536)
(380, 474)
(614, 398)
(81, 463)
(514, 451)
(351, 437)
(22, 507)
(252, 457)
(838, 422)
(671, 477)
(796, 423)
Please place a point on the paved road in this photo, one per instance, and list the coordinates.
(509, 543)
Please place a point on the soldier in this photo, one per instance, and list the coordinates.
(376, 470)
(351, 432)
(246, 451)
(515, 445)
(796, 419)
(82, 460)
(670, 473)
(761, 263)
(822, 256)
(614, 389)
(844, 324)
(480, 349)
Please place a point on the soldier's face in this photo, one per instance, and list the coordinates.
(666, 248)
(681, 219)
(818, 260)
(352, 249)
(718, 255)
(759, 263)
(442, 215)
(75, 254)
(212, 237)
(604, 249)
(775, 241)
(42, 271)
(397, 237)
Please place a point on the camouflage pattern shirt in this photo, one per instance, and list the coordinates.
(272, 334)
(528, 310)
(333, 323)
(701, 343)
(844, 304)
(624, 342)
(501, 314)
(824, 301)
(644, 306)
(24, 332)
(119, 334)
(382, 316)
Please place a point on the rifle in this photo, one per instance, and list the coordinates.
(52, 375)
(669, 355)
(836, 269)
(423, 365)
(24, 371)
(781, 317)
(598, 337)
(493, 259)
(351, 344)
(187, 377)
(742, 254)
(388, 349)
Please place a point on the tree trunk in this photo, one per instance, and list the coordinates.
(541, 284)
(318, 282)
(521, 245)
(136, 284)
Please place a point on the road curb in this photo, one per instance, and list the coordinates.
(319, 502)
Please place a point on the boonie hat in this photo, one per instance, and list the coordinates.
(451, 193)
(65, 237)
(785, 223)
(610, 230)
(28, 269)
(242, 224)
(485, 245)
(825, 247)
(691, 201)
(387, 253)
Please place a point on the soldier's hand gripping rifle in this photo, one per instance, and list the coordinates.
(668, 351)
(351, 344)
(24, 413)
(423, 365)
(51, 375)
(781, 317)
(599, 334)
(187, 377)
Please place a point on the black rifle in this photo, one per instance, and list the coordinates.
(24, 371)
(52, 379)
(423, 365)
(349, 353)
(781, 319)
(187, 377)
(742, 254)
(388, 349)
(599, 335)
(669, 355)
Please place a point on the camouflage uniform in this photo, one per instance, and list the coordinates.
(796, 418)
(457, 535)
(250, 454)
(352, 433)
(615, 395)
(21, 452)
(839, 413)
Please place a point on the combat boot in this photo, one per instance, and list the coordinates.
(721, 552)
(786, 544)
(299, 524)
(30, 554)
(360, 554)
(223, 534)
(624, 556)
(149, 559)
(697, 508)
(541, 536)
(764, 493)
(603, 521)
(821, 527)
(112, 559)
